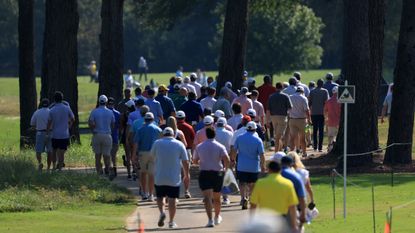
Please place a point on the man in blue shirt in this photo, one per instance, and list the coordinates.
(101, 121)
(250, 161)
(146, 136)
(61, 119)
(166, 103)
(192, 109)
(114, 133)
(292, 175)
(329, 84)
(155, 106)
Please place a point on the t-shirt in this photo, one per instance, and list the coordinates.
(244, 102)
(295, 178)
(290, 90)
(193, 110)
(147, 135)
(133, 116)
(279, 103)
(265, 91)
(102, 118)
(168, 153)
(300, 106)
(274, 192)
(224, 105)
(200, 136)
(235, 121)
(155, 108)
(224, 137)
(188, 131)
(210, 153)
(388, 102)
(135, 127)
(166, 105)
(60, 114)
(333, 109)
(40, 118)
(249, 148)
(318, 98)
(208, 102)
(238, 133)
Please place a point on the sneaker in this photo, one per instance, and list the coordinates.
(144, 198)
(226, 201)
(210, 223)
(162, 217)
(244, 204)
(218, 220)
(172, 225)
(40, 167)
(187, 195)
(151, 198)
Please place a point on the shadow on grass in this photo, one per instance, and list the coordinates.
(24, 188)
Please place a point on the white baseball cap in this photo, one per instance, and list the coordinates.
(168, 131)
(222, 121)
(219, 113)
(129, 103)
(208, 120)
(251, 126)
(180, 114)
(300, 89)
(335, 89)
(186, 79)
(277, 156)
(103, 99)
(149, 116)
(228, 84)
(251, 112)
(193, 75)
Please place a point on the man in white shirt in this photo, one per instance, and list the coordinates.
(142, 68)
(39, 121)
(196, 85)
(129, 79)
(297, 75)
(186, 84)
(209, 100)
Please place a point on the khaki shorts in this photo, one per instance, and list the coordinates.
(297, 126)
(332, 131)
(102, 144)
(280, 124)
(146, 162)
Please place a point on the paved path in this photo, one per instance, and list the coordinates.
(190, 215)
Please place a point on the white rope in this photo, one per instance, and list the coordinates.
(348, 181)
(403, 205)
(371, 152)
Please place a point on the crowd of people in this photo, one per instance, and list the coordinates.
(163, 132)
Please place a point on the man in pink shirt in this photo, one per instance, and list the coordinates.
(332, 111)
(259, 108)
(201, 134)
(243, 99)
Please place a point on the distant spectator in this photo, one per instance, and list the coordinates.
(387, 105)
(129, 79)
(236, 119)
(155, 107)
(332, 111)
(223, 104)
(259, 108)
(297, 75)
(317, 100)
(142, 68)
(329, 84)
(243, 99)
(195, 84)
(114, 134)
(166, 103)
(209, 100)
(192, 109)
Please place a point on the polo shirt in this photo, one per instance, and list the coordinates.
(290, 90)
(190, 88)
(329, 85)
(116, 128)
(306, 89)
(177, 99)
(249, 148)
(317, 99)
(224, 137)
(193, 110)
(166, 105)
(210, 153)
(235, 121)
(168, 154)
(265, 91)
(133, 116)
(238, 133)
(40, 118)
(279, 103)
(245, 103)
(135, 127)
(208, 102)
(155, 108)
(224, 105)
(188, 131)
(147, 135)
(295, 178)
(275, 193)
(197, 87)
(300, 106)
(60, 114)
(102, 117)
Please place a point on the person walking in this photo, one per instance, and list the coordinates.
(114, 134)
(224, 137)
(292, 88)
(332, 111)
(213, 160)
(223, 104)
(259, 108)
(129, 79)
(263, 194)
(61, 119)
(188, 131)
(186, 84)
(387, 105)
(155, 107)
(243, 99)
(236, 119)
(166, 103)
(192, 109)
(101, 121)
(201, 134)
(329, 84)
(297, 75)
(209, 100)
(39, 122)
(299, 115)
(195, 84)
(250, 161)
(146, 136)
(277, 114)
(317, 100)
(142, 68)
(169, 158)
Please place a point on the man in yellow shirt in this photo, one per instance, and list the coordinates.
(276, 193)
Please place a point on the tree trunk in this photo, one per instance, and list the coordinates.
(60, 54)
(27, 81)
(362, 117)
(232, 59)
(112, 49)
(403, 101)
